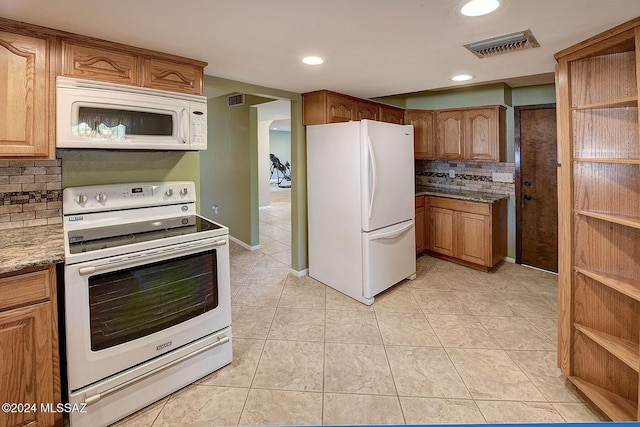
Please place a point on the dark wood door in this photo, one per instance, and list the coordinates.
(536, 186)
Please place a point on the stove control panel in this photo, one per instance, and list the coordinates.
(125, 196)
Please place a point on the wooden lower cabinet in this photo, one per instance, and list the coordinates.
(471, 233)
(29, 360)
(420, 224)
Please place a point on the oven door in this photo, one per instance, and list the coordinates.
(125, 310)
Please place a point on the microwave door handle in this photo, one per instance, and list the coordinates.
(184, 131)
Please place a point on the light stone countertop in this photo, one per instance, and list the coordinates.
(472, 196)
(29, 247)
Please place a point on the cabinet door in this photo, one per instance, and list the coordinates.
(366, 110)
(420, 225)
(481, 134)
(473, 240)
(95, 63)
(340, 108)
(450, 139)
(391, 114)
(442, 231)
(166, 75)
(25, 363)
(423, 133)
(24, 98)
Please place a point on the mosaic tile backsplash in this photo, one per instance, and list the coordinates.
(473, 176)
(30, 193)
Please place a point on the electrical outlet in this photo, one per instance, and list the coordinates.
(214, 208)
(502, 177)
(452, 173)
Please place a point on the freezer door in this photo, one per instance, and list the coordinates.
(389, 257)
(388, 179)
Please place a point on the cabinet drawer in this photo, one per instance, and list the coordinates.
(24, 289)
(460, 205)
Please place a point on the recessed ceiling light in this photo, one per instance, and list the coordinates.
(479, 7)
(461, 77)
(312, 60)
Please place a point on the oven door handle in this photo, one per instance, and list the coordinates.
(90, 400)
(147, 256)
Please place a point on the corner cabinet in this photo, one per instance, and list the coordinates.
(29, 360)
(477, 134)
(599, 219)
(24, 90)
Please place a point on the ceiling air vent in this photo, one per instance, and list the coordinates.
(236, 100)
(503, 44)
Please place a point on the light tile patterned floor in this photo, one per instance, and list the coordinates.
(452, 346)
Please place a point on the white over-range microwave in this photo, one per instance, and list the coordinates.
(92, 114)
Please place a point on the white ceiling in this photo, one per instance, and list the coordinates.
(373, 47)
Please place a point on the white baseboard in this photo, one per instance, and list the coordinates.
(243, 244)
(300, 273)
(509, 259)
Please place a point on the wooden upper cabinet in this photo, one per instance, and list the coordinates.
(24, 83)
(472, 134)
(423, 122)
(367, 110)
(95, 63)
(450, 139)
(485, 138)
(324, 106)
(340, 108)
(115, 65)
(176, 77)
(391, 114)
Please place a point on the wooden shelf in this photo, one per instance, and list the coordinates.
(615, 407)
(624, 350)
(608, 160)
(616, 103)
(628, 221)
(628, 287)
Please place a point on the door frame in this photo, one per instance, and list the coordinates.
(518, 171)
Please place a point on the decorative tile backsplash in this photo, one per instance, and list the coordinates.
(30, 193)
(474, 176)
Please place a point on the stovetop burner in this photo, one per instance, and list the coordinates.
(97, 238)
(114, 219)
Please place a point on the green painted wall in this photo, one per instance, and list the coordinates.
(239, 192)
(93, 167)
(227, 167)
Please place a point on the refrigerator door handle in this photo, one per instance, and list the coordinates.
(392, 234)
(372, 161)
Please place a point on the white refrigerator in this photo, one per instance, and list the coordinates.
(361, 206)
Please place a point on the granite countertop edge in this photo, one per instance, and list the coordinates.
(472, 196)
(30, 247)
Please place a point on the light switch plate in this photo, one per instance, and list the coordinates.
(502, 177)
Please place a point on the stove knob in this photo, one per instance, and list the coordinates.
(169, 192)
(101, 197)
(81, 199)
(184, 191)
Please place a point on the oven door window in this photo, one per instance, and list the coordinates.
(132, 303)
(112, 123)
